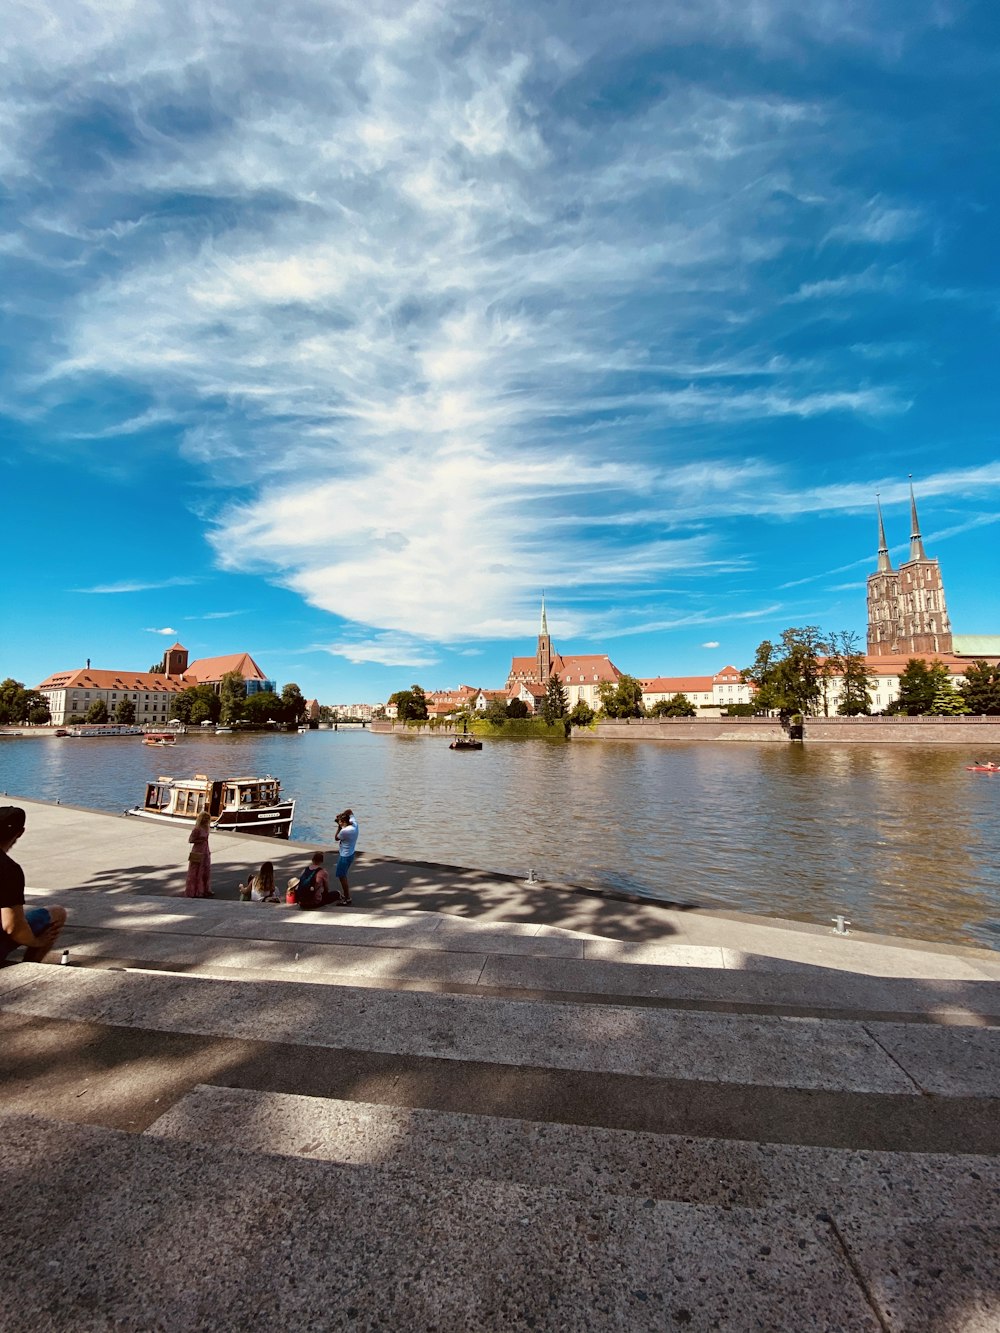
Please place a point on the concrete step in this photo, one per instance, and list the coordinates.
(233, 1239)
(433, 952)
(586, 1161)
(752, 1050)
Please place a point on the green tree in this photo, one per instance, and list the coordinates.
(411, 704)
(679, 705)
(517, 708)
(125, 712)
(848, 662)
(38, 714)
(582, 714)
(496, 712)
(20, 705)
(623, 699)
(265, 706)
(98, 711)
(947, 701)
(554, 706)
(183, 705)
(981, 690)
(785, 676)
(232, 698)
(919, 682)
(158, 668)
(293, 704)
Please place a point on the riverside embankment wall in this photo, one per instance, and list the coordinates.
(980, 733)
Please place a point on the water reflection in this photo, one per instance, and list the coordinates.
(902, 840)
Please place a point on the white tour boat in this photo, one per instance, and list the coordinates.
(90, 729)
(159, 738)
(235, 805)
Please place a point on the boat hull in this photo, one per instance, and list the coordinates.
(268, 822)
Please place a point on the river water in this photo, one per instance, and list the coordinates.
(901, 839)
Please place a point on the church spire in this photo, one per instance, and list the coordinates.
(884, 563)
(545, 626)
(916, 543)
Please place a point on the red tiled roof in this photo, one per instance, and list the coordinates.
(209, 669)
(678, 685)
(94, 679)
(579, 668)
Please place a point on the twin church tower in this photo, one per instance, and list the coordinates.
(907, 615)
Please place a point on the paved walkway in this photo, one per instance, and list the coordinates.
(66, 850)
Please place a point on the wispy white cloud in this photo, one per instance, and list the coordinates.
(385, 650)
(442, 300)
(216, 615)
(171, 633)
(712, 643)
(135, 585)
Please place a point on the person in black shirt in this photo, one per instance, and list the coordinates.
(37, 928)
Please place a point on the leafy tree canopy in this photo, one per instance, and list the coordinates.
(582, 714)
(125, 712)
(496, 712)
(98, 711)
(623, 699)
(555, 705)
(232, 698)
(679, 705)
(293, 704)
(919, 682)
(981, 690)
(517, 708)
(786, 675)
(846, 660)
(18, 704)
(265, 706)
(411, 704)
(183, 705)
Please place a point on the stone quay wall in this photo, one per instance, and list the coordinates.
(979, 733)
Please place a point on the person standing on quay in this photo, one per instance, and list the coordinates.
(199, 871)
(347, 839)
(37, 928)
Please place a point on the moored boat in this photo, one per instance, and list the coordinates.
(91, 729)
(235, 805)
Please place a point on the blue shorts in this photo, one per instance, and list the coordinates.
(38, 919)
(343, 866)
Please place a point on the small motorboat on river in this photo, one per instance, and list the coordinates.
(235, 805)
(465, 743)
(159, 738)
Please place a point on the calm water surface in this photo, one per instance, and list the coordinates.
(904, 840)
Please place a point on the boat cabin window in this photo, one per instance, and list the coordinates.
(156, 797)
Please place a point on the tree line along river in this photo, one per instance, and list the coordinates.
(902, 839)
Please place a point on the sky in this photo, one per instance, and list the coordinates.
(337, 333)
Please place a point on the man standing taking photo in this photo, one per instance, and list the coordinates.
(37, 928)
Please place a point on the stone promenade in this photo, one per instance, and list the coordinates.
(473, 1103)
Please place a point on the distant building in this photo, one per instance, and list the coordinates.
(907, 614)
(72, 693)
(581, 674)
(725, 687)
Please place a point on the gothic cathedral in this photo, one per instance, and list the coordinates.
(907, 615)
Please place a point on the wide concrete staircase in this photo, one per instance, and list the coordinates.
(226, 1114)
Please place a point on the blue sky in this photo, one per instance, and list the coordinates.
(336, 333)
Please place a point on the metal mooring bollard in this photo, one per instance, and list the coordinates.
(532, 878)
(840, 925)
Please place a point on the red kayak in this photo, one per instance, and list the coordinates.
(983, 768)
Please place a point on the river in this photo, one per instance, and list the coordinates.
(901, 839)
